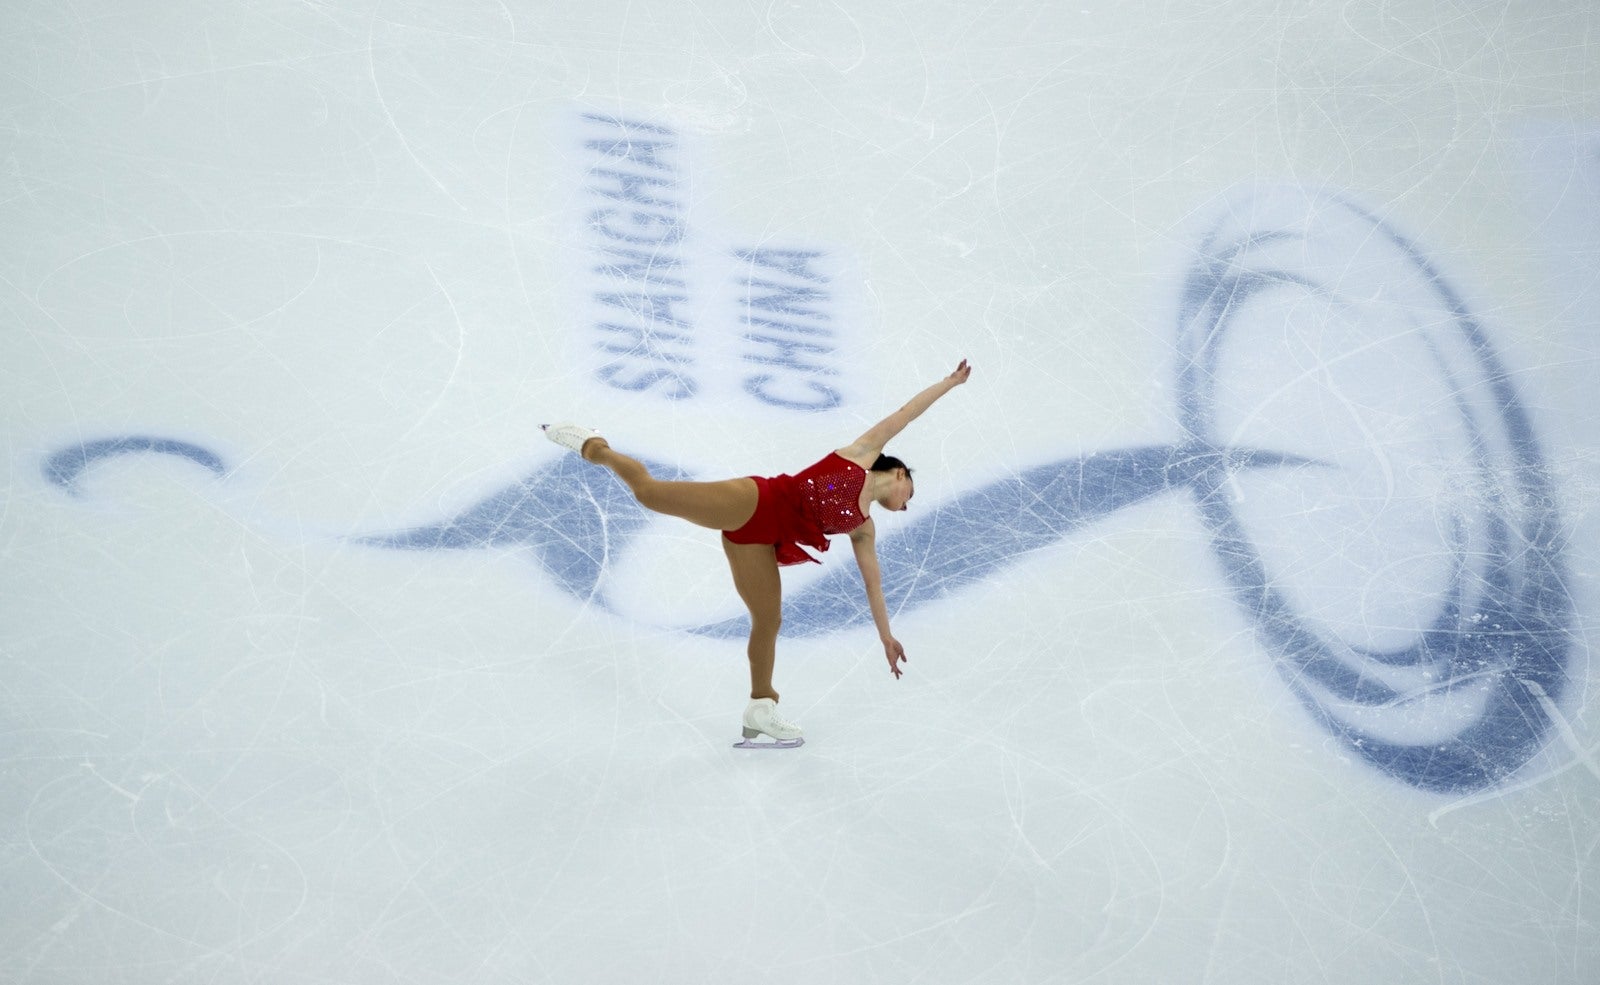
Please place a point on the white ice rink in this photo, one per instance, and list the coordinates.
(1250, 588)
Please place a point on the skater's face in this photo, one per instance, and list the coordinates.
(900, 491)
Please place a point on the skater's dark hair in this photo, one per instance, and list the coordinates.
(888, 463)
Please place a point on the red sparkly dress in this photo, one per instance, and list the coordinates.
(804, 509)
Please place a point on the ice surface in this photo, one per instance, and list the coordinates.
(1249, 589)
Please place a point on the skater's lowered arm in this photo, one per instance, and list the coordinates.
(863, 541)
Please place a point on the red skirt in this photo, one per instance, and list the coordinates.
(795, 510)
(781, 521)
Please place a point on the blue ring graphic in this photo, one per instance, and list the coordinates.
(1501, 635)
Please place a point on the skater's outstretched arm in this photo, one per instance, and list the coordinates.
(863, 540)
(870, 445)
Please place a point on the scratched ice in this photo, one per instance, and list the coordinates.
(1249, 589)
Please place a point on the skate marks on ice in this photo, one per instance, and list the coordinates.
(1378, 502)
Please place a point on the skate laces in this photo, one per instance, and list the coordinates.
(776, 719)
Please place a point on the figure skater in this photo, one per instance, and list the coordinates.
(768, 522)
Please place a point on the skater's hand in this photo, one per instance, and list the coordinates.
(896, 653)
(960, 376)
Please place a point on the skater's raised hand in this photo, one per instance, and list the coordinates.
(870, 445)
(896, 653)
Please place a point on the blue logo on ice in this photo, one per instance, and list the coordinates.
(1451, 686)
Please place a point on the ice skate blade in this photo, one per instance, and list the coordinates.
(774, 744)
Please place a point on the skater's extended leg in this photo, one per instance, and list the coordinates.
(725, 505)
(755, 578)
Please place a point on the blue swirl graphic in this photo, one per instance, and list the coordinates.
(1501, 633)
(64, 467)
(1455, 709)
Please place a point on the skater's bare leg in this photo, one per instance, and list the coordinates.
(725, 505)
(755, 578)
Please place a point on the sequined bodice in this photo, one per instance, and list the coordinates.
(831, 490)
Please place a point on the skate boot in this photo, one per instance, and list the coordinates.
(761, 717)
(571, 436)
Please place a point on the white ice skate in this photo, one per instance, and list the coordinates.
(571, 436)
(761, 717)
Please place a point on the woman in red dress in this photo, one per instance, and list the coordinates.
(767, 522)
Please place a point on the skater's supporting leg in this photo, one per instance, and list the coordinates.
(725, 505)
(755, 577)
